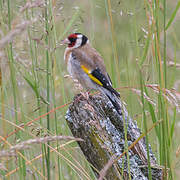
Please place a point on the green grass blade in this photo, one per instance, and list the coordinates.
(145, 49)
(173, 16)
(172, 126)
(145, 125)
(74, 17)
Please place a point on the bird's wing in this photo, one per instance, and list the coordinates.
(93, 65)
(99, 78)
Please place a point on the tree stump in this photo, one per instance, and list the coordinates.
(96, 121)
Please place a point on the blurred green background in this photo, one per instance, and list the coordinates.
(130, 37)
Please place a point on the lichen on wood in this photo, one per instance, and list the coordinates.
(95, 120)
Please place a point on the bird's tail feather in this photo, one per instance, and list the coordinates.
(114, 100)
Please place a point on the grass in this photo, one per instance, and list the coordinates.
(140, 43)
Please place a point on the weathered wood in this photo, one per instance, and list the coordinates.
(95, 120)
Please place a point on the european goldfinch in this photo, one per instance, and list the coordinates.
(86, 65)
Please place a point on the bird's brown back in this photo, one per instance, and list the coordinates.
(89, 57)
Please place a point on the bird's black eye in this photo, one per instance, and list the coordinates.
(72, 39)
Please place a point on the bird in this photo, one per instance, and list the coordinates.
(86, 65)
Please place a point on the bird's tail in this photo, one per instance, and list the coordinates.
(114, 98)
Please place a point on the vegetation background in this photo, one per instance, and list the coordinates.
(140, 43)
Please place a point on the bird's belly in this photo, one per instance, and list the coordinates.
(76, 72)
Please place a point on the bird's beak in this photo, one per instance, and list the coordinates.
(65, 41)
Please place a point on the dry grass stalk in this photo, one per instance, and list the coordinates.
(26, 144)
(137, 91)
(13, 33)
(7, 153)
(172, 64)
(28, 5)
(2, 167)
(171, 95)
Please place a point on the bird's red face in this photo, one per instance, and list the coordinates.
(75, 40)
(72, 39)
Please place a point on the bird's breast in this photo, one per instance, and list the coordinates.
(67, 54)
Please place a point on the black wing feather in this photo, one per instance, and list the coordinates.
(102, 78)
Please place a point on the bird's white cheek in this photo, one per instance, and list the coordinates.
(78, 43)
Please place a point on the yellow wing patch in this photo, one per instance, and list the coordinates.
(88, 72)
